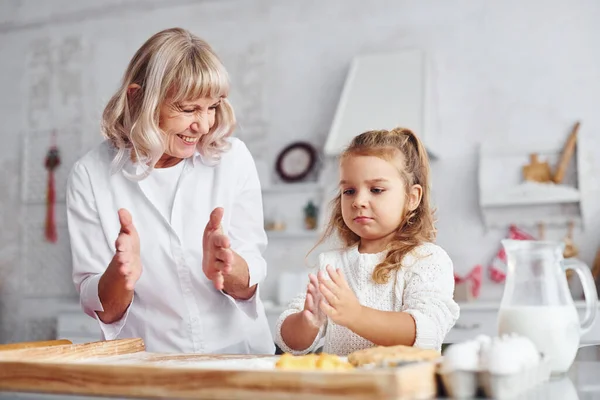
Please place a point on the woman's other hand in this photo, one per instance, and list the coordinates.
(127, 260)
(115, 288)
(217, 260)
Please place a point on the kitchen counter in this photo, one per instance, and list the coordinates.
(477, 318)
(581, 382)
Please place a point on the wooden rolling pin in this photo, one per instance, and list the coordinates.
(29, 345)
(566, 155)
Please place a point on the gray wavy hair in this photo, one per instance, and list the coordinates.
(172, 65)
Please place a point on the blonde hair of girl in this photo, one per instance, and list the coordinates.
(404, 149)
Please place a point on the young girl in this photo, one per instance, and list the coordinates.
(389, 285)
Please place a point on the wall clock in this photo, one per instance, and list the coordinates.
(296, 161)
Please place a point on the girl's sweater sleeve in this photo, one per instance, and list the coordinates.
(428, 295)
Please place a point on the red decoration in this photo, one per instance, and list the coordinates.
(51, 163)
(497, 269)
(474, 278)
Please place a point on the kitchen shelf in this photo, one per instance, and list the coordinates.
(531, 193)
(532, 222)
(293, 234)
(292, 187)
(485, 305)
(505, 198)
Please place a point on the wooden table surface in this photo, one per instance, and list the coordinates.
(123, 369)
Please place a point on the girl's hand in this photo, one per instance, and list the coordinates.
(339, 301)
(312, 311)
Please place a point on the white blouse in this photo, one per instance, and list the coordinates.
(160, 187)
(175, 307)
(422, 287)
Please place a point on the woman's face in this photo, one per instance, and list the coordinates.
(184, 124)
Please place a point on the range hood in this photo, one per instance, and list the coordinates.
(383, 91)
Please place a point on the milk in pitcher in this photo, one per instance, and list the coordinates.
(555, 330)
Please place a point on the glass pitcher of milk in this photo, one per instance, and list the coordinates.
(537, 302)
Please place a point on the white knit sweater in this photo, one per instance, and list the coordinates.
(422, 287)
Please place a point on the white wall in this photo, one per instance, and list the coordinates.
(512, 70)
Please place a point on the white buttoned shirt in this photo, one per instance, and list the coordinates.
(175, 308)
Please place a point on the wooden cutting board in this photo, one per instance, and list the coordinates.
(123, 368)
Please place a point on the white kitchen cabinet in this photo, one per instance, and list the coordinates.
(73, 324)
(476, 318)
(471, 324)
(273, 313)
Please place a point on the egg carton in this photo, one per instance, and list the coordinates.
(467, 384)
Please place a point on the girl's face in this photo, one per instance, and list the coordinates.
(184, 124)
(374, 198)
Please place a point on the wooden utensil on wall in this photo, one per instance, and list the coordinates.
(571, 249)
(541, 230)
(566, 156)
(596, 267)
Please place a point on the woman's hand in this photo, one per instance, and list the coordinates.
(339, 301)
(217, 260)
(312, 310)
(127, 262)
(116, 285)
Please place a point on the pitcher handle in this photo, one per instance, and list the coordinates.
(589, 291)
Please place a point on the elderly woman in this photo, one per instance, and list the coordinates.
(165, 216)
